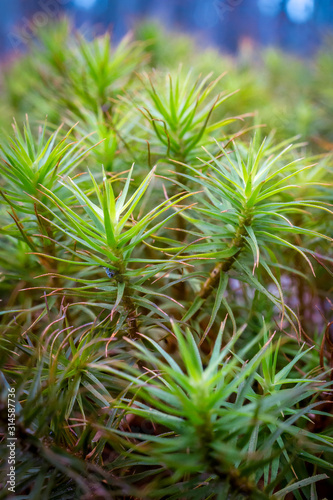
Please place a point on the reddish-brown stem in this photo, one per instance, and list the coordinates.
(226, 264)
(127, 301)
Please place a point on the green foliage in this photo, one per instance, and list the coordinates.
(165, 263)
(179, 111)
(218, 422)
(28, 162)
(246, 210)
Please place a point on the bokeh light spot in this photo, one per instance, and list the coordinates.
(85, 4)
(300, 11)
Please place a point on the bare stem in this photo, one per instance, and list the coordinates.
(49, 247)
(225, 265)
(128, 303)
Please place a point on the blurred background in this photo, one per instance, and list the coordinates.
(299, 26)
